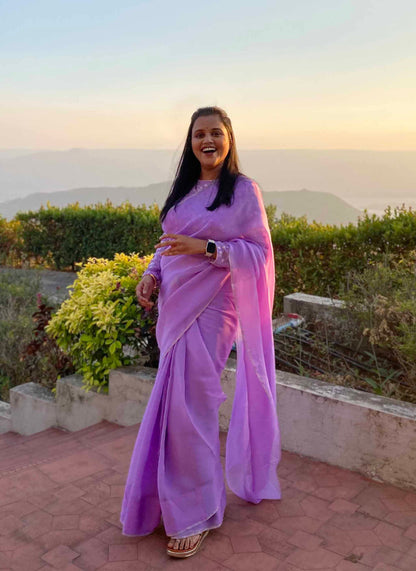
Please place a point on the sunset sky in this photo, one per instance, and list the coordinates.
(316, 74)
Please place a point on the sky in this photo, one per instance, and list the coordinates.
(319, 74)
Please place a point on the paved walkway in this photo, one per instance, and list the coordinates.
(60, 496)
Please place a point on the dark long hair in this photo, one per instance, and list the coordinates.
(189, 168)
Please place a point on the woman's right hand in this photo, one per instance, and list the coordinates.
(144, 290)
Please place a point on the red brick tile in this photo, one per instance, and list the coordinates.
(9, 524)
(288, 507)
(126, 566)
(344, 491)
(246, 527)
(93, 554)
(74, 467)
(40, 499)
(59, 556)
(410, 533)
(335, 539)
(353, 521)
(93, 521)
(5, 560)
(27, 558)
(395, 504)
(114, 519)
(351, 566)
(245, 544)
(34, 481)
(410, 498)
(113, 535)
(275, 543)
(65, 567)
(18, 509)
(407, 563)
(152, 550)
(122, 552)
(251, 561)
(401, 519)
(65, 522)
(64, 507)
(265, 512)
(392, 536)
(217, 546)
(317, 559)
(111, 505)
(70, 537)
(372, 555)
(384, 567)
(316, 508)
(292, 524)
(117, 491)
(364, 537)
(305, 540)
(343, 506)
(68, 493)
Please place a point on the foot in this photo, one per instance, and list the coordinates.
(184, 544)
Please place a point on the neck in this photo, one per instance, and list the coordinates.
(210, 174)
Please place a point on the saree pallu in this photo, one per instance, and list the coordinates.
(175, 471)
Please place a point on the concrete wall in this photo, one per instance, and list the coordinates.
(370, 434)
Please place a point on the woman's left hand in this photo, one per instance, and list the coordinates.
(177, 244)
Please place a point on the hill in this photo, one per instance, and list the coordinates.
(359, 177)
(320, 206)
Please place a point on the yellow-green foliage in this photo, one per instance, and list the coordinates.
(101, 316)
(8, 240)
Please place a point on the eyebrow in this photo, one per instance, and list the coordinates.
(213, 129)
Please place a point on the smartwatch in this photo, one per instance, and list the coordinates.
(211, 248)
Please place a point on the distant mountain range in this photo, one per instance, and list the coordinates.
(319, 206)
(361, 178)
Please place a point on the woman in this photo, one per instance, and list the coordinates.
(214, 267)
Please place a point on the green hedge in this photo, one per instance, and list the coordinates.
(63, 237)
(317, 259)
(310, 257)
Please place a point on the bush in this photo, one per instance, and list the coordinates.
(63, 237)
(8, 241)
(318, 259)
(102, 319)
(18, 292)
(382, 301)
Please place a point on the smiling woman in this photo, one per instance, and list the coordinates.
(214, 267)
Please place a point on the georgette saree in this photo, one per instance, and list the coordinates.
(175, 471)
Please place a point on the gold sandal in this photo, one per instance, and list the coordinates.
(182, 553)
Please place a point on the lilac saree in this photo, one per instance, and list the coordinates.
(175, 471)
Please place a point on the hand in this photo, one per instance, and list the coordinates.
(144, 290)
(177, 244)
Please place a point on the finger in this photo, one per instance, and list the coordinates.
(165, 244)
(163, 236)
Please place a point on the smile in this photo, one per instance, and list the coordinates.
(209, 150)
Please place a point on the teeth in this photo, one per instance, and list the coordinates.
(208, 149)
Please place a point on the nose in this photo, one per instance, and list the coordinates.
(208, 138)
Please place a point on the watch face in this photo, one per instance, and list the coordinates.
(211, 247)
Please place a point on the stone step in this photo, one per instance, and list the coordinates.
(5, 417)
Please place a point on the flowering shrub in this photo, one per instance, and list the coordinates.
(101, 319)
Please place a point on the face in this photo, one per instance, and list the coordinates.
(210, 144)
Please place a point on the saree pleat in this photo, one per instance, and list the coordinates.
(177, 471)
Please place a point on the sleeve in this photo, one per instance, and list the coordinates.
(223, 251)
(154, 267)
